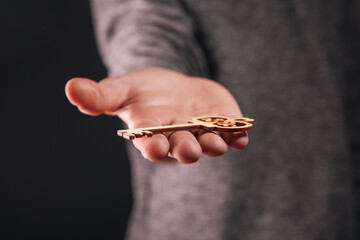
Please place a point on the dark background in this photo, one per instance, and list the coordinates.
(61, 172)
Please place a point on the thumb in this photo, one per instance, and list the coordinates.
(94, 98)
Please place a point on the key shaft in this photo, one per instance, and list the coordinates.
(149, 131)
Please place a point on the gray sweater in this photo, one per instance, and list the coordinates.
(282, 61)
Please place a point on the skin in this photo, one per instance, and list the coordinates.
(156, 96)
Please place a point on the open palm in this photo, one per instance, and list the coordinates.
(155, 96)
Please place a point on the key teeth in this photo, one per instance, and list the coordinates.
(147, 133)
(138, 135)
(127, 136)
(132, 135)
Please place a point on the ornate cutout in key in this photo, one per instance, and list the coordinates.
(212, 123)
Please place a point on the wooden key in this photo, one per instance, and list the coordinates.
(214, 123)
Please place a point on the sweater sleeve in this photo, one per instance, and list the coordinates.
(147, 33)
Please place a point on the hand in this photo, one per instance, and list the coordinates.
(155, 96)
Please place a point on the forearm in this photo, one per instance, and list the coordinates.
(137, 33)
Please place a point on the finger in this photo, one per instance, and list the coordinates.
(184, 147)
(212, 145)
(96, 98)
(236, 140)
(153, 148)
